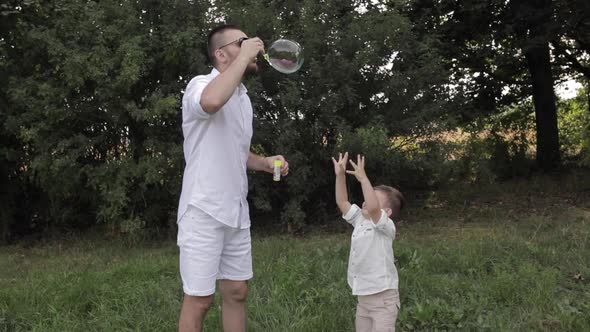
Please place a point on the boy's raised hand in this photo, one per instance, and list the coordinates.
(340, 165)
(359, 168)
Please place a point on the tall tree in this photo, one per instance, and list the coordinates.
(536, 25)
(500, 53)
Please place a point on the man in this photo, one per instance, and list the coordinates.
(213, 215)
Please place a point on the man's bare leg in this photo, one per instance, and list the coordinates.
(233, 306)
(192, 314)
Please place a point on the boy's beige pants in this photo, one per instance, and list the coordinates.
(377, 312)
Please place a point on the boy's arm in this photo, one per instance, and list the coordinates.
(371, 202)
(341, 193)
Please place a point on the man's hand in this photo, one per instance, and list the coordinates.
(251, 47)
(359, 168)
(340, 165)
(270, 164)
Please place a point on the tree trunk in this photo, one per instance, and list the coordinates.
(539, 64)
(537, 18)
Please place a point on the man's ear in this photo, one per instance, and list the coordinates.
(219, 56)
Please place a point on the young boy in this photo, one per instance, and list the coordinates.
(371, 271)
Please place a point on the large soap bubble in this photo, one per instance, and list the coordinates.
(285, 56)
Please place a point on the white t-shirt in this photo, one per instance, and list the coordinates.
(216, 149)
(371, 267)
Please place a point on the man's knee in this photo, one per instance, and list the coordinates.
(199, 303)
(235, 291)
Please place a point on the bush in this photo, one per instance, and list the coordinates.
(574, 129)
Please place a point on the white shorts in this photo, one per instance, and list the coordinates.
(209, 251)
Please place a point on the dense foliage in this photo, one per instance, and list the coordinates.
(90, 101)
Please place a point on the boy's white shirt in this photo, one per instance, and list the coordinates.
(371, 267)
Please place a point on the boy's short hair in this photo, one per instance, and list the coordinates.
(211, 45)
(395, 199)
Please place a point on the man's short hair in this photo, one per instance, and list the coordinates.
(395, 199)
(212, 45)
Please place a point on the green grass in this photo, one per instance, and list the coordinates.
(507, 257)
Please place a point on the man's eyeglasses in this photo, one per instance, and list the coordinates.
(239, 41)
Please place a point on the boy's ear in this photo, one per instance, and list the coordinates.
(388, 211)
